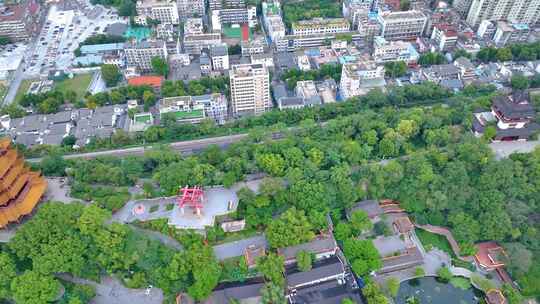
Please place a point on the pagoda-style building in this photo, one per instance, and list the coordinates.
(20, 188)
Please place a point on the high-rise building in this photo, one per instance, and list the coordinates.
(19, 21)
(407, 25)
(165, 11)
(140, 54)
(515, 11)
(271, 16)
(462, 7)
(20, 188)
(190, 8)
(250, 89)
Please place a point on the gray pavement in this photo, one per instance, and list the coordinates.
(503, 149)
(237, 248)
(111, 291)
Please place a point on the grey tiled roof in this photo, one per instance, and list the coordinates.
(318, 245)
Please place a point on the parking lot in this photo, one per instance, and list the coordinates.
(65, 28)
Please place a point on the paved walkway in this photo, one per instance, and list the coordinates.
(111, 291)
(448, 234)
(503, 149)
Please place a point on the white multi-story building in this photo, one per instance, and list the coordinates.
(515, 11)
(359, 78)
(486, 29)
(165, 11)
(462, 7)
(508, 33)
(253, 46)
(140, 54)
(320, 26)
(221, 4)
(193, 26)
(445, 36)
(407, 25)
(193, 44)
(385, 51)
(250, 89)
(190, 8)
(234, 16)
(272, 20)
(219, 54)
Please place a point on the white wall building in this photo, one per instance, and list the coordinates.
(165, 11)
(250, 89)
(320, 26)
(515, 11)
(407, 25)
(140, 54)
(190, 8)
(219, 54)
(385, 51)
(359, 78)
(271, 14)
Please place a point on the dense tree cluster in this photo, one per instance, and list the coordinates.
(78, 241)
(479, 198)
(292, 76)
(431, 58)
(395, 69)
(98, 39)
(125, 7)
(294, 11)
(49, 102)
(111, 74)
(198, 87)
(515, 52)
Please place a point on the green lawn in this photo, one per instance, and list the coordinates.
(429, 239)
(23, 88)
(79, 84)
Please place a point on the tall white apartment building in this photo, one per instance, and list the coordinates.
(320, 26)
(272, 20)
(515, 11)
(190, 8)
(407, 25)
(165, 11)
(462, 7)
(359, 78)
(140, 54)
(250, 89)
(386, 51)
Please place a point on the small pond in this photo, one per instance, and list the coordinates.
(428, 290)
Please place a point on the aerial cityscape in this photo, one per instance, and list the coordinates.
(270, 151)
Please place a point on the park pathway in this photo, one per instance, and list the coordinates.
(448, 234)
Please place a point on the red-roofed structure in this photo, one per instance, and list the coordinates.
(19, 21)
(153, 81)
(192, 197)
(488, 255)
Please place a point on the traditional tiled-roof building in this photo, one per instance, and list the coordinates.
(20, 188)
